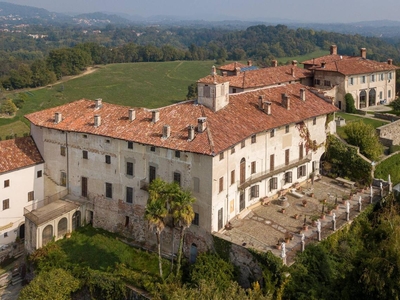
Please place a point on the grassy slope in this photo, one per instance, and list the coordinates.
(301, 58)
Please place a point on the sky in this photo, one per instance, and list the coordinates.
(321, 11)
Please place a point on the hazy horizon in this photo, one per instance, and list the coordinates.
(318, 11)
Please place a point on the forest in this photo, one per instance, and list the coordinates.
(67, 50)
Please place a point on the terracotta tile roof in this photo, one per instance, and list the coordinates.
(18, 153)
(326, 58)
(356, 65)
(232, 66)
(240, 119)
(210, 79)
(268, 76)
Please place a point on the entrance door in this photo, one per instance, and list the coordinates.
(22, 231)
(220, 218)
(242, 202)
(242, 170)
(372, 97)
(193, 253)
(84, 186)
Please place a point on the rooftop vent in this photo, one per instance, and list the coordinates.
(261, 102)
(294, 63)
(99, 103)
(155, 116)
(303, 94)
(190, 133)
(201, 124)
(57, 117)
(97, 120)
(267, 107)
(323, 65)
(333, 50)
(250, 63)
(166, 131)
(286, 101)
(363, 53)
(274, 63)
(132, 114)
(390, 61)
(213, 71)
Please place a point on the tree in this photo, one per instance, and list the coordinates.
(192, 91)
(183, 214)
(8, 107)
(156, 211)
(364, 136)
(350, 108)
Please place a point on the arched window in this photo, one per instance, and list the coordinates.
(76, 220)
(47, 234)
(62, 227)
(363, 99)
(372, 97)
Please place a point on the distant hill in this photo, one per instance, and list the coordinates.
(99, 17)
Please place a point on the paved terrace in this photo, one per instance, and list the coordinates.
(263, 226)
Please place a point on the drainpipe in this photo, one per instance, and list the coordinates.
(67, 149)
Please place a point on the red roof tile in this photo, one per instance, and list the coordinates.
(232, 66)
(238, 120)
(18, 153)
(210, 79)
(326, 59)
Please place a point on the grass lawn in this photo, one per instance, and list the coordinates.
(16, 127)
(304, 57)
(353, 118)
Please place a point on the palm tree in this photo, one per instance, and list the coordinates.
(183, 215)
(155, 213)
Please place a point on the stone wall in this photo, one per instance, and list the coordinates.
(389, 134)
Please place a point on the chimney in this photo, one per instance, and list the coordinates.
(57, 117)
(333, 50)
(190, 133)
(237, 70)
(292, 72)
(97, 120)
(267, 107)
(166, 131)
(224, 73)
(286, 101)
(261, 102)
(294, 63)
(274, 63)
(303, 94)
(323, 65)
(213, 71)
(390, 61)
(155, 116)
(132, 114)
(98, 103)
(249, 63)
(201, 124)
(363, 53)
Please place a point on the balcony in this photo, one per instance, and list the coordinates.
(144, 185)
(254, 178)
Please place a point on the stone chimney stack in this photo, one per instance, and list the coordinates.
(261, 102)
(57, 117)
(155, 116)
(267, 107)
(286, 101)
(294, 63)
(190, 133)
(224, 73)
(303, 94)
(166, 131)
(97, 120)
(333, 50)
(99, 103)
(249, 63)
(323, 65)
(274, 63)
(213, 71)
(363, 53)
(390, 61)
(292, 72)
(201, 124)
(132, 114)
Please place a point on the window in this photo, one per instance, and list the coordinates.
(85, 136)
(85, 154)
(153, 149)
(287, 156)
(63, 179)
(177, 154)
(108, 141)
(39, 174)
(317, 81)
(196, 184)
(253, 167)
(177, 178)
(301, 171)
(108, 159)
(62, 150)
(206, 91)
(31, 196)
(129, 195)
(6, 204)
(362, 79)
(273, 183)
(253, 139)
(288, 177)
(7, 183)
(196, 219)
(389, 93)
(5, 234)
(84, 186)
(243, 144)
(221, 184)
(314, 121)
(108, 190)
(232, 176)
(233, 90)
(287, 129)
(129, 168)
(221, 156)
(327, 83)
(130, 145)
(233, 150)
(272, 133)
(351, 81)
(382, 77)
(390, 76)
(272, 162)
(152, 173)
(254, 191)
(373, 78)
(380, 95)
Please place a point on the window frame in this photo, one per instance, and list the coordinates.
(177, 177)
(253, 167)
(39, 174)
(31, 196)
(85, 154)
(6, 204)
(129, 194)
(109, 191)
(287, 128)
(6, 183)
(221, 184)
(254, 139)
(107, 159)
(129, 168)
(130, 145)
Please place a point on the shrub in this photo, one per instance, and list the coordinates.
(19, 103)
(350, 108)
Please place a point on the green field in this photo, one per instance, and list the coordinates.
(301, 58)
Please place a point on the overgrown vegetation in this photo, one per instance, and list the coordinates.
(350, 108)
(389, 166)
